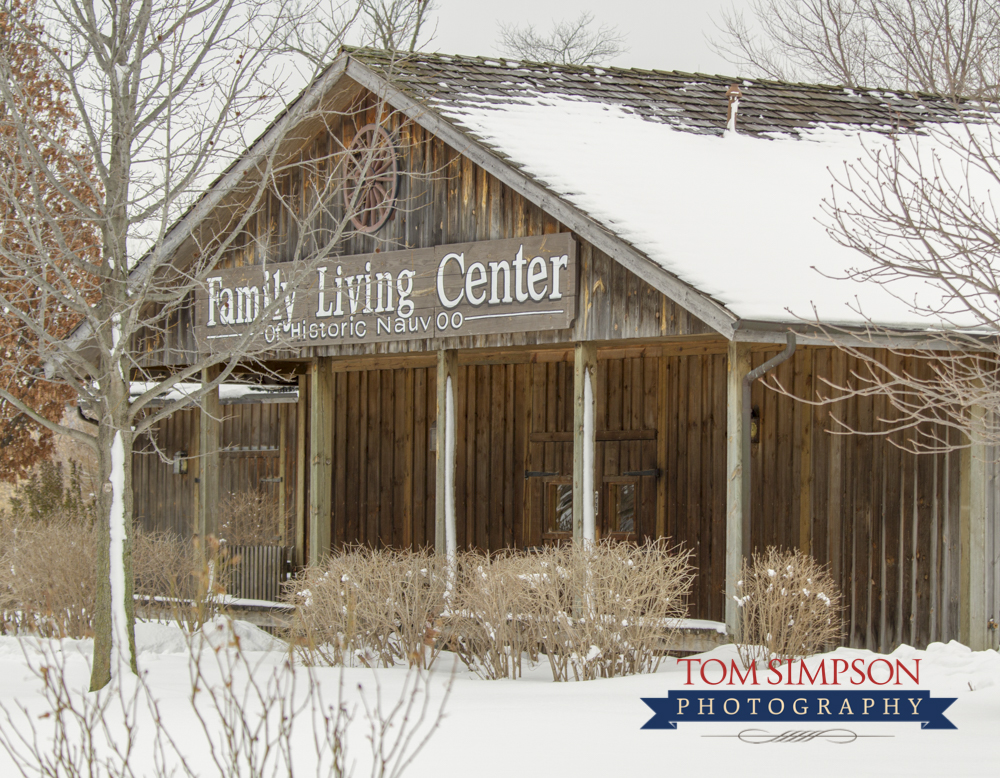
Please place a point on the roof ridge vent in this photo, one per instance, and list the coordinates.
(733, 94)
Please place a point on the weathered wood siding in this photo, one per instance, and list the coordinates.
(992, 549)
(162, 501)
(886, 521)
(514, 439)
(383, 470)
(250, 460)
(443, 198)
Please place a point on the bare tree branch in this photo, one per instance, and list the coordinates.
(576, 42)
(945, 47)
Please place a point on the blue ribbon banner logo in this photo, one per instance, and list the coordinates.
(833, 707)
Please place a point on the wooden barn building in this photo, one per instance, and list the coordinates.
(541, 324)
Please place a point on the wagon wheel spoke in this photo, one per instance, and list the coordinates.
(370, 177)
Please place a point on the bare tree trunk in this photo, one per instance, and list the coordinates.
(115, 600)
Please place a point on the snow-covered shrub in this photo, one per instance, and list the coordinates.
(593, 612)
(370, 606)
(608, 610)
(48, 584)
(173, 581)
(488, 622)
(228, 714)
(789, 606)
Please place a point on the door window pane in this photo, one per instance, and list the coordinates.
(623, 507)
(560, 507)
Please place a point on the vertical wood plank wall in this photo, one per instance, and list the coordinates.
(886, 521)
(249, 460)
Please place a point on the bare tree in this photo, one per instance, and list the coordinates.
(164, 92)
(921, 208)
(395, 25)
(917, 207)
(946, 47)
(576, 42)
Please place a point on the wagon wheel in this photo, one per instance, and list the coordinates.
(370, 178)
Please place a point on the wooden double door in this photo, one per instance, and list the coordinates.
(625, 457)
(625, 496)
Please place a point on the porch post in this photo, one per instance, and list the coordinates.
(320, 457)
(584, 438)
(209, 443)
(301, 468)
(445, 542)
(972, 521)
(738, 367)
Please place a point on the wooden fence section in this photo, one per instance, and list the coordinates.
(258, 572)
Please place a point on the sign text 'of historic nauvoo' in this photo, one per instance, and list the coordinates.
(479, 288)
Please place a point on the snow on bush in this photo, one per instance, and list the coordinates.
(373, 607)
(592, 613)
(789, 606)
(608, 609)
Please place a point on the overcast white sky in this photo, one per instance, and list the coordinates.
(662, 34)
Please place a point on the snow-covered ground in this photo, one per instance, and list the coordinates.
(533, 726)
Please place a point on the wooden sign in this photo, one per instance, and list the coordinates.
(513, 285)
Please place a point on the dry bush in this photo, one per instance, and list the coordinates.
(47, 583)
(175, 581)
(790, 606)
(251, 518)
(632, 597)
(373, 606)
(487, 624)
(594, 613)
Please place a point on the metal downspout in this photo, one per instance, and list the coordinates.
(748, 379)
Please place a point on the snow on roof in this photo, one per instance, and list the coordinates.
(229, 393)
(645, 154)
(738, 217)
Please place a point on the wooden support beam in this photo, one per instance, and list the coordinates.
(835, 473)
(301, 468)
(804, 388)
(584, 441)
(320, 458)
(662, 450)
(282, 474)
(209, 444)
(736, 532)
(973, 615)
(445, 542)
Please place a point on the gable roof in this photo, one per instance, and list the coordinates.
(639, 164)
(729, 225)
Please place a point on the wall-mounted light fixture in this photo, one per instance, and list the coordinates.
(433, 436)
(180, 463)
(755, 426)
